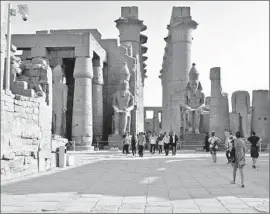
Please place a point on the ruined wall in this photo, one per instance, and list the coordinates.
(25, 135)
(260, 114)
(26, 121)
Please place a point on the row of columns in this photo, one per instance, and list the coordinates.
(87, 119)
(156, 128)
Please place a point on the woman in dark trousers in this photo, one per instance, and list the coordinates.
(134, 144)
(254, 148)
(206, 143)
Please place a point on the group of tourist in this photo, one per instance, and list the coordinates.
(235, 150)
(164, 141)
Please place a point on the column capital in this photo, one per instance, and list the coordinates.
(83, 68)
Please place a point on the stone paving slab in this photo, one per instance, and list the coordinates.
(120, 184)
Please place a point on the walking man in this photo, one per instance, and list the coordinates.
(173, 142)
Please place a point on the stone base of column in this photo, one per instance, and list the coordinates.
(115, 141)
(84, 143)
(84, 148)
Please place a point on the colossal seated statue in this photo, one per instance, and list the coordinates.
(60, 93)
(194, 100)
(123, 104)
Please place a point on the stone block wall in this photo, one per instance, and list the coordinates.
(25, 135)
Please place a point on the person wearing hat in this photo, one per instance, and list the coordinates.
(214, 141)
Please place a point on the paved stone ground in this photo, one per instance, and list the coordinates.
(109, 182)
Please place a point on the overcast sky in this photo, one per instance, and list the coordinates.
(231, 35)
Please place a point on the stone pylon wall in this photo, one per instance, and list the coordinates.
(260, 114)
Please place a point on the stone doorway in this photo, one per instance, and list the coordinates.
(69, 64)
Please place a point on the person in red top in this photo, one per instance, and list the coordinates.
(254, 148)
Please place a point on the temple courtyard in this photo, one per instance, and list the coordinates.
(108, 181)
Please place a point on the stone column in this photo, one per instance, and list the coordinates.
(155, 121)
(181, 27)
(82, 129)
(98, 99)
(219, 107)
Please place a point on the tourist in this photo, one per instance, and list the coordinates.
(166, 141)
(229, 148)
(238, 157)
(141, 143)
(152, 143)
(214, 141)
(228, 144)
(206, 143)
(160, 143)
(126, 143)
(134, 141)
(254, 148)
(173, 142)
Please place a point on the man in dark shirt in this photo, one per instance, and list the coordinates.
(254, 148)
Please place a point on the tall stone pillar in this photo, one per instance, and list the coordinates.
(82, 129)
(97, 99)
(219, 106)
(130, 27)
(180, 30)
(260, 114)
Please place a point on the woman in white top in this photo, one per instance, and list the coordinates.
(152, 143)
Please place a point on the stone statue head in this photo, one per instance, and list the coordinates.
(194, 83)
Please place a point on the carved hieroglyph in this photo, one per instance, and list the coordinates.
(123, 104)
(60, 92)
(241, 105)
(194, 100)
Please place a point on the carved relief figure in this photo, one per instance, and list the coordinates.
(123, 104)
(241, 105)
(60, 93)
(194, 100)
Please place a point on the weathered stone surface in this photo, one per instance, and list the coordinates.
(219, 107)
(9, 155)
(16, 162)
(241, 105)
(260, 114)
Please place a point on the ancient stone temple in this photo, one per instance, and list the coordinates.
(87, 71)
(69, 85)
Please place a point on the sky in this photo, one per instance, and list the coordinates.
(233, 35)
